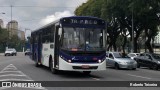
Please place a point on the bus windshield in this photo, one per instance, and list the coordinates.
(82, 39)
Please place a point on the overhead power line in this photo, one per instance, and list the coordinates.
(37, 6)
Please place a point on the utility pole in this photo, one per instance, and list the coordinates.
(132, 32)
(11, 20)
(9, 29)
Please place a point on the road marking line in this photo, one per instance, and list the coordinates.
(26, 75)
(139, 76)
(9, 68)
(9, 71)
(13, 79)
(11, 75)
(11, 65)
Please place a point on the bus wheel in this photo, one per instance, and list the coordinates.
(87, 72)
(37, 64)
(53, 70)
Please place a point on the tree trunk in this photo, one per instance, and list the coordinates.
(124, 44)
(149, 45)
(149, 38)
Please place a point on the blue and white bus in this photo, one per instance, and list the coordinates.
(75, 43)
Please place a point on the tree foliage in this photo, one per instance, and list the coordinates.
(12, 42)
(124, 15)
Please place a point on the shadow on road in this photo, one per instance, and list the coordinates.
(73, 74)
(125, 69)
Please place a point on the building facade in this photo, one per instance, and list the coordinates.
(12, 27)
(21, 35)
(157, 39)
(1, 23)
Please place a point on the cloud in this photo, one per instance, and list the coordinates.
(33, 14)
(57, 15)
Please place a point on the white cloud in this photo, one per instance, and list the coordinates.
(57, 15)
(44, 12)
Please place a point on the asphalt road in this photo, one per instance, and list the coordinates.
(21, 68)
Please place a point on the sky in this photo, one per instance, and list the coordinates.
(33, 14)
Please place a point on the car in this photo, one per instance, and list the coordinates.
(116, 60)
(150, 60)
(10, 52)
(27, 52)
(133, 55)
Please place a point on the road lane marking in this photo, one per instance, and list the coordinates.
(11, 75)
(26, 75)
(20, 72)
(11, 66)
(9, 71)
(139, 76)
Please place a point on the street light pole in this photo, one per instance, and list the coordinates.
(11, 20)
(132, 32)
(9, 29)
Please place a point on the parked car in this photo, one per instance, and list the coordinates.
(150, 60)
(115, 59)
(133, 55)
(27, 52)
(10, 52)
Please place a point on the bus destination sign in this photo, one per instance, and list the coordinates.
(83, 21)
(75, 21)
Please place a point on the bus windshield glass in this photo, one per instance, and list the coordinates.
(82, 39)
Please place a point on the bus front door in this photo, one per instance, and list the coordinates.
(56, 49)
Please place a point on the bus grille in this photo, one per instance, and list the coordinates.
(79, 67)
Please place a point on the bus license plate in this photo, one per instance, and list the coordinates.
(85, 66)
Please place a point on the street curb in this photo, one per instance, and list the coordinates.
(1, 54)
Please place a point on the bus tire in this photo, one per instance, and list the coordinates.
(53, 70)
(37, 64)
(87, 72)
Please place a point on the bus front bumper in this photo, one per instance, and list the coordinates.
(63, 65)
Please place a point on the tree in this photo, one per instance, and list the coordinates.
(3, 39)
(121, 14)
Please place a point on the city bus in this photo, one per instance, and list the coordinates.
(75, 43)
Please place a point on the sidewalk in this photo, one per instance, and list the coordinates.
(1, 54)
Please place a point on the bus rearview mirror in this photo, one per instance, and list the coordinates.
(60, 31)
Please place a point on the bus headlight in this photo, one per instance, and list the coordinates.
(69, 61)
(99, 61)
